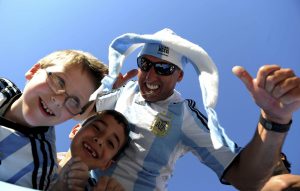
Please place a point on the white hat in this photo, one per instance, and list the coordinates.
(165, 44)
(163, 52)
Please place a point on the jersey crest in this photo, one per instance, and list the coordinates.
(161, 124)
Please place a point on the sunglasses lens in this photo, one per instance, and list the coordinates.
(160, 68)
(164, 69)
(144, 64)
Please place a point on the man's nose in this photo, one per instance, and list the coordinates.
(151, 74)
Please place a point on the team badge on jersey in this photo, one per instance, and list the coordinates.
(161, 125)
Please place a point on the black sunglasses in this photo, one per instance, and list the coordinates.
(161, 68)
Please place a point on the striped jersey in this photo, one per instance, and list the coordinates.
(162, 132)
(27, 155)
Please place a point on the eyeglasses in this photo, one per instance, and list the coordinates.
(161, 68)
(72, 103)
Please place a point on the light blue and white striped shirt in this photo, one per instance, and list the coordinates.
(27, 155)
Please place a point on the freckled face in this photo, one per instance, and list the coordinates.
(41, 106)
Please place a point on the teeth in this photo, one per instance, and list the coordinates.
(46, 108)
(90, 150)
(152, 86)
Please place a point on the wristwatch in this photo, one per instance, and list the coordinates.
(276, 127)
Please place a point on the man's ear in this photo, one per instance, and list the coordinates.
(30, 73)
(180, 77)
(75, 129)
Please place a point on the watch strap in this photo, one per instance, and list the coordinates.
(276, 127)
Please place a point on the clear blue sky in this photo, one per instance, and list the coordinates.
(249, 33)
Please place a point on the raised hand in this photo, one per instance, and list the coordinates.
(275, 90)
(122, 79)
(74, 175)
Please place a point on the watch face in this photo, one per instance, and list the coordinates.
(268, 125)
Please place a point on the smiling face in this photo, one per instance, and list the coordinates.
(98, 141)
(155, 87)
(41, 106)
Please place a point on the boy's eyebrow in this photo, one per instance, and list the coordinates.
(114, 134)
(67, 80)
(118, 140)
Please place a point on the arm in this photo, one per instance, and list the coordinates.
(73, 176)
(277, 92)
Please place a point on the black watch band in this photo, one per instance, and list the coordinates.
(276, 127)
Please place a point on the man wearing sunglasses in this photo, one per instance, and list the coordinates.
(157, 77)
(166, 126)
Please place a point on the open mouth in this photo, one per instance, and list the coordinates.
(45, 108)
(90, 150)
(150, 89)
(152, 86)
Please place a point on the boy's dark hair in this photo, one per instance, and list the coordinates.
(285, 161)
(283, 166)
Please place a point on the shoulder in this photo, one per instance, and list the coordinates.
(8, 90)
(193, 109)
(9, 85)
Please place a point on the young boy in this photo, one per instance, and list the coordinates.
(96, 143)
(58, 88)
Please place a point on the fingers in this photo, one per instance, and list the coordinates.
(76, 174)
(130, 74)
(263, 73)
(275, 90)
(275, 78)
(246, 78)
(123, 79)
(108, 184)
(29, 74)
(280, 83)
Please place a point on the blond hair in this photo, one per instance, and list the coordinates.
(77, 58)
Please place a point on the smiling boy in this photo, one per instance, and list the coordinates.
(96, 143)
(57, 89)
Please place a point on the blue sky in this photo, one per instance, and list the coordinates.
(249, 33)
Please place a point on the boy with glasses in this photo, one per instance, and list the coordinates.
(57, 89)
(167, 126)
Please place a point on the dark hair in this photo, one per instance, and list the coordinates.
(283, 166)
(285, 161)
(121, 119)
